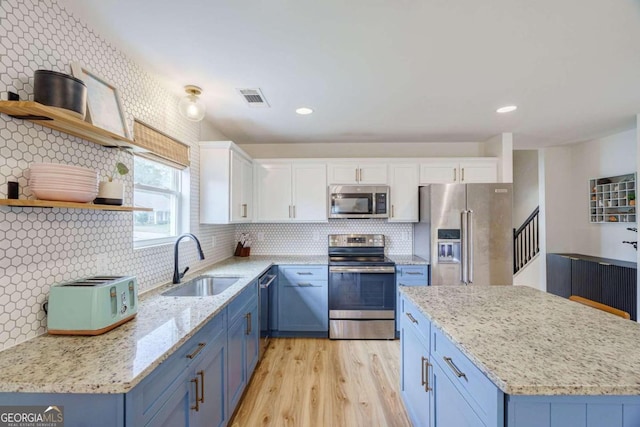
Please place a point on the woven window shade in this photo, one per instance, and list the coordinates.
(160, 146)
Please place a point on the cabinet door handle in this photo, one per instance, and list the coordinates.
(201, 373)
(455, 369)
(244, 210)
(197, 350)
(357, 175)
(197, 405)
(248, 317)
(413, 319)
(294, 211)
(455, 175)
(392, 211)
(360, 178)
(462, 180)
(425, 378)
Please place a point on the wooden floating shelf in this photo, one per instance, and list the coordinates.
(24, 203)
(55, 119)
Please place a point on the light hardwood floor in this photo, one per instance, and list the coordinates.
(318, 382)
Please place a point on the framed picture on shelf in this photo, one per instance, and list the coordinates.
(104, 108)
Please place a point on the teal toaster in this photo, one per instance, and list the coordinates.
(92, 306)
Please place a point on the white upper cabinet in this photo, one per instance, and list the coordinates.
(226, 183)
(403, 179)
(291, 191)
(462, 171)
(357, 173)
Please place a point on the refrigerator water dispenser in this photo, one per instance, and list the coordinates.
(449, 246)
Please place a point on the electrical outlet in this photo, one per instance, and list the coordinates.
(260, 237)
(213, 241)
(316, 236)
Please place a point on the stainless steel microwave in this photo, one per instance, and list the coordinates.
(358, 201)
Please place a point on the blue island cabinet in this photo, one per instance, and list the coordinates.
(303, 301)
(408, 275)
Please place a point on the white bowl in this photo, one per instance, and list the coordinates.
(65, 195)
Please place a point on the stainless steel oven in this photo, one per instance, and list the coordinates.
(362, 297)
(358, 201)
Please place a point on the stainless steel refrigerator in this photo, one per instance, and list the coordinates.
(466, 232)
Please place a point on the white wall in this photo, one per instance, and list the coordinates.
(531, 275)
(525, 185)
(560, 208)
(209, 133)
(369, 149)
(609, 156)
(501, 146)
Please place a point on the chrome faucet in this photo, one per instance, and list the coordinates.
(176, 271)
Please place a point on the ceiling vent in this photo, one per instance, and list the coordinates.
(254, 98)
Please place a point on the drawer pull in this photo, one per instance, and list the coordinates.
(201, 373)
(413, 273)
(304, 273)
(197, 405)
(413, 319)
(455, 369)
(196, 351)
(425, 379)
(305, 284)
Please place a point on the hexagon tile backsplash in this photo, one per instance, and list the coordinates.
(40, 247)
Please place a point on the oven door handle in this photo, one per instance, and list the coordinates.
(363, 269)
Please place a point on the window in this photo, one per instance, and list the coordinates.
(156, 186)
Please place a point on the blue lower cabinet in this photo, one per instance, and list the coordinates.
(449, 408)
(303, 299)
(176, 410)
(408, 275)
(209, 389)
(414, 381)
(237, 361)
(243, 341)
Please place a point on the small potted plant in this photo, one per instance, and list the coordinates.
(110, 191)
(632, 198)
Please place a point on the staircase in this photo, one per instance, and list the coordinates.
(526, 242)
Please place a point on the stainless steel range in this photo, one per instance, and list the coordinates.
(362, 297)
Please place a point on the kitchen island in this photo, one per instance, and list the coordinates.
(516, 356)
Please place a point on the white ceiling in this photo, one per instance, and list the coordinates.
(391, 70)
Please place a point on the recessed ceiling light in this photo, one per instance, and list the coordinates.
(303, 111)
(507, 109)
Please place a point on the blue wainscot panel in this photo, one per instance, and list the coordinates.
(573, 411)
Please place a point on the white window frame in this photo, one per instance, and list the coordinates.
(181, 180)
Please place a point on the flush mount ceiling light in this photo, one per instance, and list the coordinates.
(507, 109)
(303, 111)
(191, 106)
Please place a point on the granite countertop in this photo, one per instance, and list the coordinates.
(118, 360)
(530, 342)
(408, 260)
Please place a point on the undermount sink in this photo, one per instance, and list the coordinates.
(202, 286)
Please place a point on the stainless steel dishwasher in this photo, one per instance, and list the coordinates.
(267, 284)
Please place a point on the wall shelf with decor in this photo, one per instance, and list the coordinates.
(612, 199)
(24, 203)
(55, 119)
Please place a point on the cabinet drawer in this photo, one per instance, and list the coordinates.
(302, 273)
(148, 397)
(474, 386)
(414, 317)
(412, 275)
(237, 306)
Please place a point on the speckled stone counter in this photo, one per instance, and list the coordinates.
(408, 260)
(530, 342)
(118, 360)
